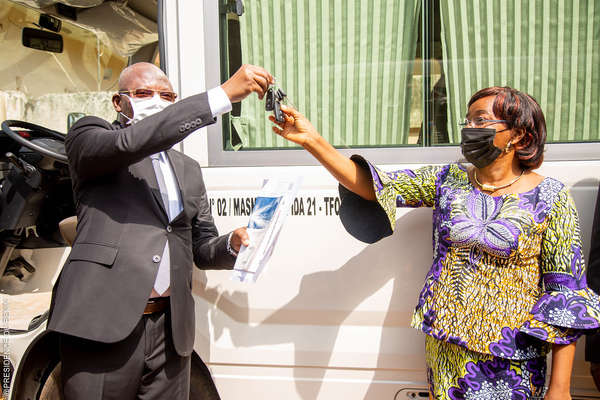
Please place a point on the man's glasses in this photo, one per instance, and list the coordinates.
(148, 93)
(479, 121)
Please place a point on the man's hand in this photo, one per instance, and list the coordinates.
(238, 238)
(247, 79)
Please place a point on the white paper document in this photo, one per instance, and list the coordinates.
(272, 206)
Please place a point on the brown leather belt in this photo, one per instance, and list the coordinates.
(156, 304)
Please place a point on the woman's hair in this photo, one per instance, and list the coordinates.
(523, 114)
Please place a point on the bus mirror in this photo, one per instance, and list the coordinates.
(42, 40)
(73, 117)
(49, 22)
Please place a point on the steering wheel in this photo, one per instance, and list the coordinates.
(49, 149)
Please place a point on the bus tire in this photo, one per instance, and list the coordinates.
(52, 387)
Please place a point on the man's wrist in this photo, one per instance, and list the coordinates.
(230, 249)
(218, 101)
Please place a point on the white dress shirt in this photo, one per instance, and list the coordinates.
(219, 104)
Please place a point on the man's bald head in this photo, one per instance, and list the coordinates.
(140, 75)
(144, 75)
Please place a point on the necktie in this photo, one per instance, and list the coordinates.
(163, 277)
(161, 183)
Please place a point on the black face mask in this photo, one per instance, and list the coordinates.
(477, 146)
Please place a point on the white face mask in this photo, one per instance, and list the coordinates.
(143, 108)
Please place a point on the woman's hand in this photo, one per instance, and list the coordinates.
(296, 127)
(299, 130)
(557, 394)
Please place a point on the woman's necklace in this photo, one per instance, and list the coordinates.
(491, 188)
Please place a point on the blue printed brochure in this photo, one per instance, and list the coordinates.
(270, 209)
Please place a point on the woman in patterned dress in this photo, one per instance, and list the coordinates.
(507, 282)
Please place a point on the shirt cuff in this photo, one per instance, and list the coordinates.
(218, 101)
(230, 249)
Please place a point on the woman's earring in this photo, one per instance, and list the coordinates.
(507, 148)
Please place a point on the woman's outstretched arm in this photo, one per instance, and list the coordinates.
(299, 130)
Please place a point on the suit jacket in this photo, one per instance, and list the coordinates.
(123, 226)
(592, 343)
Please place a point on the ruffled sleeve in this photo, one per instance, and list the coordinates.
(403, 188)
(567, 306)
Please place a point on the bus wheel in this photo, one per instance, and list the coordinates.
(51, 389)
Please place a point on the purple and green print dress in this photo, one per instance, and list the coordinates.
(507, 280)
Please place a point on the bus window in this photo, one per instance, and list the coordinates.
(548, 49)
(350, 67)
(395, 74)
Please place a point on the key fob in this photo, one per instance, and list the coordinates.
(278, 113)
(269, 100)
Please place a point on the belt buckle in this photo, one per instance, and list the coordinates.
(156, 305)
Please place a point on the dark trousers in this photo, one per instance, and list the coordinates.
(143, 366)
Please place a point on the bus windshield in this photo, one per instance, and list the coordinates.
(54, 89)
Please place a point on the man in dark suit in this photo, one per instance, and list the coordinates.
(592, 342)
(123, 302)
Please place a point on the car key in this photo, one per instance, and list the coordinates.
(270, 99)
(278, 113)
(274, 96)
